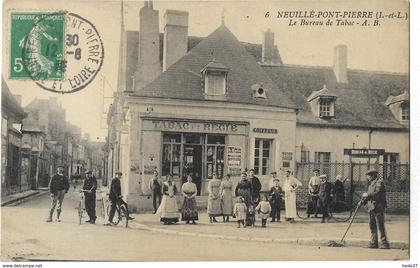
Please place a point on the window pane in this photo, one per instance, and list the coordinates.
(174, 138)
(192, 138)
(266, 153)
(215, 84)
(213, 139)
(257, 152)
(264, 161)
(256, 162)
(264, 171)
(266, 144)
(257, 144)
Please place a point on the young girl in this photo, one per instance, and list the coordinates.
(239, 210)
(264, 208)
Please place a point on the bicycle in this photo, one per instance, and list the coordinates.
(121, 214)
(81, 206)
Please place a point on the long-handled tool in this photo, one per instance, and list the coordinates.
(332, 243)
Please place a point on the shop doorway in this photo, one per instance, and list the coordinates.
(193, 155)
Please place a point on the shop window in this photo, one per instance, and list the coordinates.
(215, 155)
(326, 108)
(304, 156)
(262, 156)
(405, 111)
(171, 155)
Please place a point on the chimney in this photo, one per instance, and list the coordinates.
(340, 63)
(175, 37)
(268, 53)
(148, 67)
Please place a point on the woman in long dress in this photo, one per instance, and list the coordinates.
(168, 210)
(226, 196)
(290, 185)
(244, 189)
(214, 207)
(189, 211)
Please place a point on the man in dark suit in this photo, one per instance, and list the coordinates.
(375, 201)
(115, 197)
(90, 186)
(325, 196)
(255, 187)
(59, 186)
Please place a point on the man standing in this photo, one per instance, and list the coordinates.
(325, 196)
(313, 189)
(375, 201)
(255, 187)
(59, 186)
(116, 198)
(90, 186)
(155, 187)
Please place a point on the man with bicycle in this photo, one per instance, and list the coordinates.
(116, 198)
(90, 185)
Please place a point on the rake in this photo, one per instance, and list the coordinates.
(332, 243)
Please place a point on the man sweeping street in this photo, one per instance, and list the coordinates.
(375, 201)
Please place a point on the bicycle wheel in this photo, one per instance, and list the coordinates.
(80, 211)
(124, 215)
(340, 211)
(116, 219)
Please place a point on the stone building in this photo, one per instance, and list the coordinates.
(190, 105)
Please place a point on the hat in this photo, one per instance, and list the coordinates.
(371, 172)
(273, 173)
(89, 172)
(276, 179)
(118, 173)
(251, 170)
(323, 176)
(60, 166)
(288, 170)
(244, 173)
(317, 169)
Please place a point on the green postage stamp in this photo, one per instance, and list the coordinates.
(37, 46)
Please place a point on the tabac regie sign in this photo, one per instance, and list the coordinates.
(364, 152)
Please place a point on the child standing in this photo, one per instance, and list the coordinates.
(264, 208)
(239, 210)
(276, 200)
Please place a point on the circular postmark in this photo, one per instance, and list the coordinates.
(63, 52)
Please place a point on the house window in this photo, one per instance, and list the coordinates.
(405, 111)
(304, 155)
(215, 83)
(326, 108)
(323, 159)
(262, 156)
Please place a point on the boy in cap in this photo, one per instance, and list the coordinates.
(59, 186)
(275, 200)
(325, 196)
(375, 201)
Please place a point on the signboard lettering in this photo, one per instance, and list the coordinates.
(265, 130)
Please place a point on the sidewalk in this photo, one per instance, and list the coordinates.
(13, 198)
(305, 232)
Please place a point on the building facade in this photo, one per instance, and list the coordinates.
(218, 105)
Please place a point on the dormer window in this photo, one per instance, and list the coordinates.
(214, 79)
(322, 103)
(400, 107)
(405, 111)
(326, 107)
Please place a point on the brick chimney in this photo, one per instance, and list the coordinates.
(268, 53)
(340, 63)
(175, 37)
(148, 67)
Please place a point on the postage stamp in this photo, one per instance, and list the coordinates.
(61, 52)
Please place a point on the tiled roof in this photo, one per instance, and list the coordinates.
(9, 103)
(360, 102)
(183, 80)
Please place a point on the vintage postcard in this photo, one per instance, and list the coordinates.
(205, 131)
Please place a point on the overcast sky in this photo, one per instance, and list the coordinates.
(383, 48)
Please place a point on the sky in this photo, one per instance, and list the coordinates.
(381, 48)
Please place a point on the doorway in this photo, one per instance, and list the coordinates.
(193, 155)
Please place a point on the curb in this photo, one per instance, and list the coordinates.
(297, 241)
(22, 199)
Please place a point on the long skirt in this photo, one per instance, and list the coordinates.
(246, 196)
(168, 210)
(189, 210)
(227, 204)
(290, 205)
(214, 207)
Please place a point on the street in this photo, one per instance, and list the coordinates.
(26, 236)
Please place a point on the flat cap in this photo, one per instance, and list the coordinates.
(371, 172)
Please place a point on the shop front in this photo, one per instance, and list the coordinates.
(199, 148)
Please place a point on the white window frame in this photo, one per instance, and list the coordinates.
(208, 75)
(405, 111)
(259, 167)
(326, 107)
